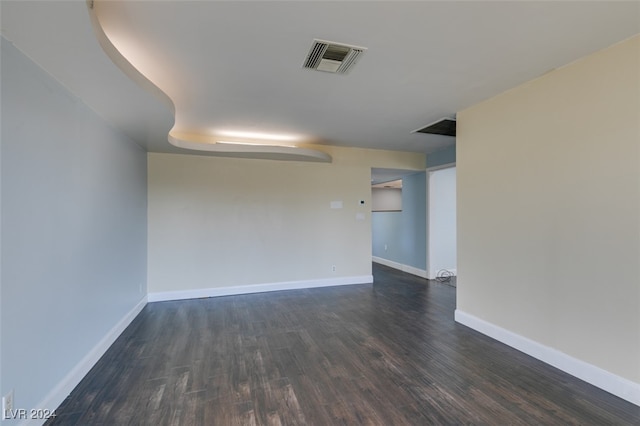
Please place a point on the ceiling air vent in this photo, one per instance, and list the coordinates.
(332, 57)
(444, 126)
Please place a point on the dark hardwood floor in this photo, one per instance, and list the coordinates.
(388, 353)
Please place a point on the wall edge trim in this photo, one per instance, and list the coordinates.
(58, 394)
(596, 376)
(400, 266)
(440, 167)
(257, 288)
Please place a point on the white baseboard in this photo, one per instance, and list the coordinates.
(616, 385)
(401, 267)
(257, 288)
(71, 380)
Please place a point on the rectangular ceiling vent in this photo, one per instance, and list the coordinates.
(332, 57)
(444, 126)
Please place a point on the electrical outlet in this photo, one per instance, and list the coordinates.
(7, 403)
(333, 268)
(385, 247)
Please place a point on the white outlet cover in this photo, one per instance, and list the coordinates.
(336, 204)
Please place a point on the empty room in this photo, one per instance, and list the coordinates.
(319, 212)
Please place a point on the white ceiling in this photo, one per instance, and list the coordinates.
(237, 65)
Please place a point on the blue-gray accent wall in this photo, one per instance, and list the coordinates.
(444, 156)
(74, 229)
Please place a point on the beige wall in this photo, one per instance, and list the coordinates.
(549, 210)
(220, 222)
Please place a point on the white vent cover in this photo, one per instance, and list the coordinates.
(332, 57)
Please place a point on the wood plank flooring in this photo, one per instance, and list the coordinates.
(387, 353)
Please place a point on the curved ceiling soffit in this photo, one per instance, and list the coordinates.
(205, 144)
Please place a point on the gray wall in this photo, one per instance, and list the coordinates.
(73, 229)
(444, 156)
(386, 199)
(404, 232)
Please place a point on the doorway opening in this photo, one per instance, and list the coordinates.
(398, 219)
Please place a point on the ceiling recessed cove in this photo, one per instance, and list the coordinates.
(332, 57)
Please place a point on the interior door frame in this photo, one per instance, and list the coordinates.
(431, 273)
